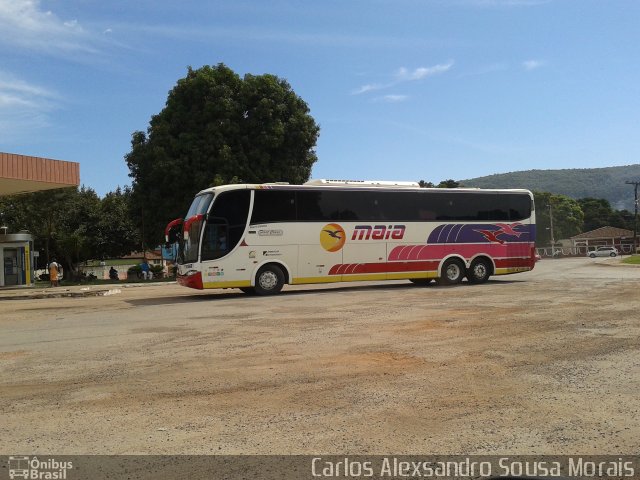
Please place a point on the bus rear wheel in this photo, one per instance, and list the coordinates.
(480, 271)
(269, 280)
(452, 272)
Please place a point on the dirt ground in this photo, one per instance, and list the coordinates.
(545, 362)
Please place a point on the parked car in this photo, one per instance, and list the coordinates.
(603, 252)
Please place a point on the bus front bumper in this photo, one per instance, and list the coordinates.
(192, 281)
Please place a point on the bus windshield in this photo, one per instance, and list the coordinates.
(200, 205)
(193, 227)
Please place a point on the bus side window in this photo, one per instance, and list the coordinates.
(216, 239)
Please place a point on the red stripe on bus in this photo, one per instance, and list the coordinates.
(418, 266)
(426, 252)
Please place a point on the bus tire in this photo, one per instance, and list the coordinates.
(420, 281)
(452, 272)
(248, 290)
(480, 271)
(269, 280)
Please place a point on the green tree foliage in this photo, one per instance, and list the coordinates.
(41, 214)
(116, 233)
(73, 225)
(568, 217)
(76, 230)
(449, 184)
(443, 184)
(598, 213)
(425, 184)
(218, 128)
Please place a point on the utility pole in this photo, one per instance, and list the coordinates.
(635, 215)
(553, 242)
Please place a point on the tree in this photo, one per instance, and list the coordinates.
(76, 240)
(116, 233)
(568, 217)
(73, 225)
(449, 184)
(39, 213)
(218, 128)
(598, 213)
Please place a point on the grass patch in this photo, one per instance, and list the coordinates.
(632, 260)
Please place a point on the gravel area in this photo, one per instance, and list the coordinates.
(545, 362)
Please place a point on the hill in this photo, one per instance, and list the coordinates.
(576, 183)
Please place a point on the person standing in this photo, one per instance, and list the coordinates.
(54, 272)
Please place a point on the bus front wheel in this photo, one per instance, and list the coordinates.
(452, 272)
(269, 280)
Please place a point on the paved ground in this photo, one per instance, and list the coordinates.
(542, 362)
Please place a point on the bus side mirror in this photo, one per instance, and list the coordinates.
(172, 231)
(172, 236)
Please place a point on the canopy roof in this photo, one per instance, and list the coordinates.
(22, 174)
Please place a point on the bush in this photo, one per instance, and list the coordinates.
(157, 270)
(134, 271)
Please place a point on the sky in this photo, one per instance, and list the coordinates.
(401, 89)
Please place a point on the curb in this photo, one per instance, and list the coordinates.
(75, 293)
(62, 294)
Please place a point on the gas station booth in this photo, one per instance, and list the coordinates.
(18, 262)
(23, 174)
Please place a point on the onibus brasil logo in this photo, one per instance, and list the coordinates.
(34, 468)
(333, 236)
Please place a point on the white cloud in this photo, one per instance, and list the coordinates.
(532, 64)
(367, 88)
(419, 73)
(405, 75)
(392, 98)
(25, 24)
(24, 106)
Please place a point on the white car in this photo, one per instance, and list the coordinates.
(603, 252)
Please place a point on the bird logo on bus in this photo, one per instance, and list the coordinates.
(503, 229)
(332, 237)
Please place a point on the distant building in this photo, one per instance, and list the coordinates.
(153, 257)
(620, 238)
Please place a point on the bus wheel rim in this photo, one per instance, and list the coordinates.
(268, 280)
(453, 271)
(480, 270)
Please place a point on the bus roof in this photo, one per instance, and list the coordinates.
(353, 185)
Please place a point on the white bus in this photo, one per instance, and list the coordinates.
(260, 237)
